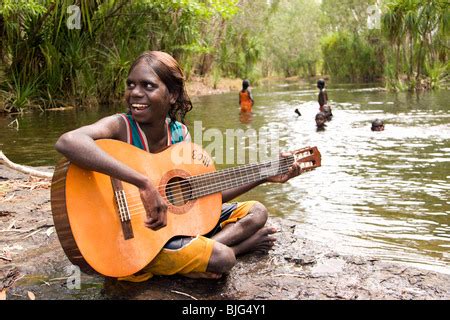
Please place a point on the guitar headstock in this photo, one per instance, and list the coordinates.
(309, 158)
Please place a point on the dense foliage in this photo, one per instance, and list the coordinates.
(49, 58)
(417, 31)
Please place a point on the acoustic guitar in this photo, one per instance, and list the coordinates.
(100, 220)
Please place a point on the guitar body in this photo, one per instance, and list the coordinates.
(88, 218)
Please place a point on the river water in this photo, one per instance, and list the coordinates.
(380, 194)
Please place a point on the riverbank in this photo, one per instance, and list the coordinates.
(33, 264)
(198, 86)
(195, 86)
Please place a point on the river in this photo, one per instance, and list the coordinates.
(380, 194)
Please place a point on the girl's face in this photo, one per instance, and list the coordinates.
(147, 96)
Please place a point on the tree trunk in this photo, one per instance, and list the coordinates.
(2, 36)
(208, 58)
(411, 56)
(397, 61)
(422, 42)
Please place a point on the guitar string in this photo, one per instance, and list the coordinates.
(305, 153)
(241, 168)
(231, 179)
(237, 170)
(141, 209)
(221, 184)
(123, 202)
(223, 173)
(120, 208)
(233, 169)
(282, 163)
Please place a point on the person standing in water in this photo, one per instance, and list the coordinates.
(245, 97)
(323, 96)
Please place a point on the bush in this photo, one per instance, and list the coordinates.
(350, 57)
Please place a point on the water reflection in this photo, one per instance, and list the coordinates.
(245, 117)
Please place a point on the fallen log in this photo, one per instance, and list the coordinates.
(24, 169)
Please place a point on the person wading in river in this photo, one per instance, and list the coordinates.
(157, 104)
(245, 97)
(327, 111)
(377, 125)
(320, 118)
(323, 95)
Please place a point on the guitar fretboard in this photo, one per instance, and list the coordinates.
(210, 183)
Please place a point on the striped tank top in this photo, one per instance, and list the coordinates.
(176, 132)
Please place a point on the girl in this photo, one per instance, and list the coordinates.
(157, 104)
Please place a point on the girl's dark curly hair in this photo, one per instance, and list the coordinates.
(170, 72)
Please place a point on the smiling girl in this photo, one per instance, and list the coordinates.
(157, 104)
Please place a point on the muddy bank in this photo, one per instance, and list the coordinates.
(200, 86)
(33, 264)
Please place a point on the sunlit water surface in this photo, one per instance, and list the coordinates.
(381, 194)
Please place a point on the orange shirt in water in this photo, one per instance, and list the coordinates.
(246, 102)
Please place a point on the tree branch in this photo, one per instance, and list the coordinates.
(24, 169)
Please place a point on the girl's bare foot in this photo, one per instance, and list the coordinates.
(260, 242)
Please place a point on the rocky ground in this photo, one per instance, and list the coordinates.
(33, 264)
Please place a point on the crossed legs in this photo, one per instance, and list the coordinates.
(246, 235)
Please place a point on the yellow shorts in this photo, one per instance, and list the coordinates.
(193, 256)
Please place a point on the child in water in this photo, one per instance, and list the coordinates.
(245, 97)
(323, 96)
(377, 125)
(321, 118)
(327, 111)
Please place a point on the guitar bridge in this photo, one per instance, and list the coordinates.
(122, 208)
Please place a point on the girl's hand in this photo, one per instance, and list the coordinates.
(155, 207)
(294, 170)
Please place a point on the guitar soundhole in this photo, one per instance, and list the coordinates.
(178, 191)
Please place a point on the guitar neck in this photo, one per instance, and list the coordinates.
(222, 180)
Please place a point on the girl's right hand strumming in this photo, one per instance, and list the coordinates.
(155, 207)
